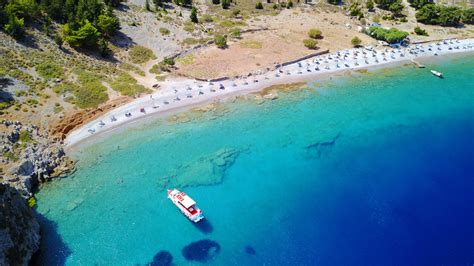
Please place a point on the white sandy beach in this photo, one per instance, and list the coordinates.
(182, 94)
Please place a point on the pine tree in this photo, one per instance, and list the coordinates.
(193, 15)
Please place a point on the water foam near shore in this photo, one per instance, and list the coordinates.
(358, 170)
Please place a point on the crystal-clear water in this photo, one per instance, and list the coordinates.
(373, 169)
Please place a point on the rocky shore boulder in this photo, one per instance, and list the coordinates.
(19, 230)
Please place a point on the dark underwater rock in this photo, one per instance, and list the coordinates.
(162, 258)
(250, 250)
(201, 251)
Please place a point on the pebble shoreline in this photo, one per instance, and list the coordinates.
(186, 93)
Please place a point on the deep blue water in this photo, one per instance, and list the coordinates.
(372, 169)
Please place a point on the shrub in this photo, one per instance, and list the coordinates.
(168, 61)
(139, 54)
(58, 40)
(48, 70)
(25, 136)
(216, 2)
(164, 31)
(236, 33)
(220, 41)
(236, 12)
(290, 4)
(190, 41)
(315, 33)
(355, 10)
(90, 94)
(310, 43)
(259, 5)
(127, 85)
(207, 18)
(420, 31)
(356, 41)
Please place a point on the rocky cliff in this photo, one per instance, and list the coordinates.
(19, 230)
(29, 156)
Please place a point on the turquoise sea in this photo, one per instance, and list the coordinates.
(363, 169)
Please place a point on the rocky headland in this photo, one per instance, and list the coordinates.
(30, 156)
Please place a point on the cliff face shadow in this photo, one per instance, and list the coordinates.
(53, 250)
(204, 226)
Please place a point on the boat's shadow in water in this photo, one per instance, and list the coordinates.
(53, 250)
(204, 226)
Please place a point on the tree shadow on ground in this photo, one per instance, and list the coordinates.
(121, 40)
(53, 250)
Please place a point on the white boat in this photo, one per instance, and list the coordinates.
(186, 205)
(436, 73)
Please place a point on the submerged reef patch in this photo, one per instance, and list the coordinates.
(162, 258)
(207, 170)
(317, 149)
(201, 251)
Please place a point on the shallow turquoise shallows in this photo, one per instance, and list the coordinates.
(368, 169)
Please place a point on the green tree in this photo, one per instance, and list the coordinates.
(392, 35)
(220, 41)
(370, 5)
(107, 25)
(428, 14)
(216, 2)
(15, 26)
(259, 5)
(419, 3)
(396, 8)
(468, 16)
(225, 4)
(290, 4)
(104, 48)
(193, 15)
(356, 41)
(450, 16)
(385, 4)
(439, 15)
(86, 36)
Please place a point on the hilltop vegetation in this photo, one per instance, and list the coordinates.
(84, 23)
